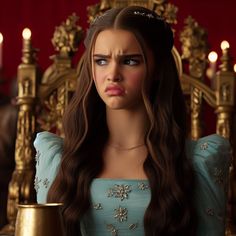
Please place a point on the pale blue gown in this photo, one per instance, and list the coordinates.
(118, 205)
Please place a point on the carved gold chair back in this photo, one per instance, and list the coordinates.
(42, 100)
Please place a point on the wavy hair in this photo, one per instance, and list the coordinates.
(170, 174)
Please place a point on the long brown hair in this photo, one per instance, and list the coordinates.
(170, 211)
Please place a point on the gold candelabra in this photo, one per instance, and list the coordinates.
(21, 184)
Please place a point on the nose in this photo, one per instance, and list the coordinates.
(114, 74)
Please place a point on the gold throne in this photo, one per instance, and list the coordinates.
(42, 99)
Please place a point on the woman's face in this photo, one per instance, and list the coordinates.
(118, 69)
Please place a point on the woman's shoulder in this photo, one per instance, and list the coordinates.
(210, 149)
(47, 140)
(48, 148)
(48, 157)
(211, 158)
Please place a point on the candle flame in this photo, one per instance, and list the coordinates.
(26, 34)
(224, 45)
(234, 67)
(1, 38)
(212, 56)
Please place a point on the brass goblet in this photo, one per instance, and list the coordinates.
(39, 220)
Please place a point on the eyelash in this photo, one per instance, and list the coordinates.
(127, 61)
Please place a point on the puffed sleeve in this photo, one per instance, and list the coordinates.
(211, 160)
(48, 156)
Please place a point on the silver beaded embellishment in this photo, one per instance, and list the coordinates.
(46, 182)
(133, 226)
(36, 183)
(97, 206)
(111, 228)
(204, 146)
(148, 15)
(119, 191)
(37, 155)
(143, 186)
(121, 214)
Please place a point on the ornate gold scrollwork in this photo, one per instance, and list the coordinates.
(67, 36)
(193, 39)
(194, 50)
(21, 185)
(196, 102)
(225, 97)
(221, 98)
(59, 80)
(161, 7)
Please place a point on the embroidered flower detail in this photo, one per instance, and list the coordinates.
(97, 206)
(119, 191)
(133, 226)
(210, 212)
(111, 228)
(204, 146)
(46, 182)
(143, 186)
(37, 155)
(218, 175)
(121, 214)
(36, 183)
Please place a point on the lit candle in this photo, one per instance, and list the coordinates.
(212, 57)
(26, 34)
(1, 43)
(224, 45)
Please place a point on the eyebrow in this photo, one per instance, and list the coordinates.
(124, 55)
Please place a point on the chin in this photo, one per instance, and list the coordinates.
(115, 107)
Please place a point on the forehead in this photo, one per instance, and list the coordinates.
(116, 41)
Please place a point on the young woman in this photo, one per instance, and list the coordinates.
(124, 166)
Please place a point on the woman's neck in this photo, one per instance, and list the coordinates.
(126, 128)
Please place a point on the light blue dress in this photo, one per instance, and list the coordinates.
(118, 205)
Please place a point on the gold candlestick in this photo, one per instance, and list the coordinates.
(226, 58)
(21, 185)
(28, 52)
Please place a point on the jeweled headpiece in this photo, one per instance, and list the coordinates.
(148, 15)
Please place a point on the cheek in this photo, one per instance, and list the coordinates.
(136, 79)
(98, 82)
(97, 76)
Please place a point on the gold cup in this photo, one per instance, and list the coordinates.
(39, 220)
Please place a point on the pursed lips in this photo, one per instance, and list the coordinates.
(114, 90)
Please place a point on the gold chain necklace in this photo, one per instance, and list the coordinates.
(126, 149)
